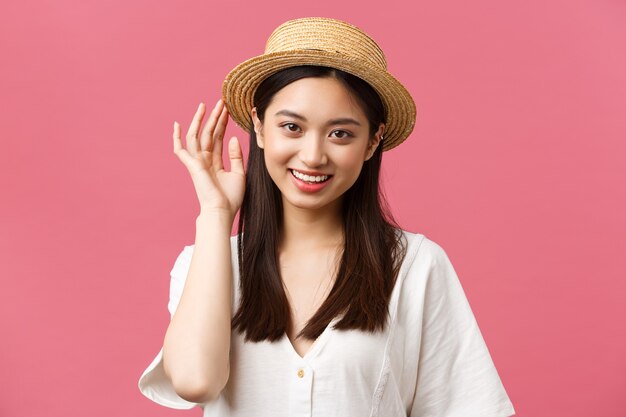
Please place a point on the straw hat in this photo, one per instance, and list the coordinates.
(326, 42)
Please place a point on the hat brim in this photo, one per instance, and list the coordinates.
(242, 81)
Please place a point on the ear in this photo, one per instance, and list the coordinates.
(375, 141)
(258, 128)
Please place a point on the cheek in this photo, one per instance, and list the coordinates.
(276, 153)
(351, 162)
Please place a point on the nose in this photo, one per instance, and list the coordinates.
(312, 152)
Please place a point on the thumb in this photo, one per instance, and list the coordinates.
(235, 155)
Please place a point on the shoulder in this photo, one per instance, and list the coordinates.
(426, 266)
(420, 248)
(429, 281)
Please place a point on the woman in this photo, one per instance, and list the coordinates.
(321, 306)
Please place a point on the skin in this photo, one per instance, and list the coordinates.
(197, 342)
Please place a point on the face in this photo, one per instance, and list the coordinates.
(315, 138)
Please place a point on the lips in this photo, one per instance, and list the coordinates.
(310, 186)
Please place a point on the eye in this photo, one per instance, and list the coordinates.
(292, 127)
(342, 134)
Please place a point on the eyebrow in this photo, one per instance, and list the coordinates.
(339, 121)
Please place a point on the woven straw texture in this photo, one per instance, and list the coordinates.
(326, 42)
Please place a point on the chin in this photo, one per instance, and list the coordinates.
(309, 202)
(304, 203)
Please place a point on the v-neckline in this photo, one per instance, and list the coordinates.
(315, 347)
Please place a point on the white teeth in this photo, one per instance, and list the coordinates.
(309, 178)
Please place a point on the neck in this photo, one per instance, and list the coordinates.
(306, 229)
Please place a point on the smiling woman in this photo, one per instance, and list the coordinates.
(321, 305)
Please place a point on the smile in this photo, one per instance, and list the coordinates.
(308, 178)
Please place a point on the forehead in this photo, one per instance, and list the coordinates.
(317, 99)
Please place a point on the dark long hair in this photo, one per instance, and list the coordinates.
(373, 246)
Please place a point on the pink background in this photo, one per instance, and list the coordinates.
(516, 167)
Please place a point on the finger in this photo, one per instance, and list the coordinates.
(218, 138)
(206, 138)
(235, 155)
(180, 152)
(176, 136)
(193, 145)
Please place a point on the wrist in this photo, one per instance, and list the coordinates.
(215, 217)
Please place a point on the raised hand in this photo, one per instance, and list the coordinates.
(217, 189)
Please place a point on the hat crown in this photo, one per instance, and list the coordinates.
(328, 35)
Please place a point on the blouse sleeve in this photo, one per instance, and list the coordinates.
(153, 383)
(456, 376)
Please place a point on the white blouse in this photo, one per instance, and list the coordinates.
(431, 361)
